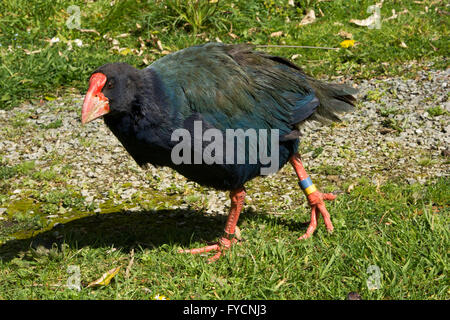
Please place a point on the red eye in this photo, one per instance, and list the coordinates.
(110, 85)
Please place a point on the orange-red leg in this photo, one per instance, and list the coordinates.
(315, 199)
(227, 240)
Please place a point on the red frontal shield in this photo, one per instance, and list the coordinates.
(95, 103)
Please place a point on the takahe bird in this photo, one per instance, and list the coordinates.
(217, 87)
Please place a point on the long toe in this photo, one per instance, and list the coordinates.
(312, 224)
(213, 247)
(309, 232)
(220, 247)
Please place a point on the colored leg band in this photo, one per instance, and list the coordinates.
(310, 190)
(307, 186)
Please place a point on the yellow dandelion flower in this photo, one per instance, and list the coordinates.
(347, 43)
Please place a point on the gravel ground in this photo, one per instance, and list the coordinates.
(392, 134)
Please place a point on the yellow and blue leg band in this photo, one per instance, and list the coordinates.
(307, 186)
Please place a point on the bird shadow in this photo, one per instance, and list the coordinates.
(126, 230)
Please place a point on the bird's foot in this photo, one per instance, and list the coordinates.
(316, 201)
(221, 246)
(229, 238)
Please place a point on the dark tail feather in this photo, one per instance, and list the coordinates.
(335, 99)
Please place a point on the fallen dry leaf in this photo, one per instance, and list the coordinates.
(251, 30)
(125, 51)
(280, 283)
(159, 44)
(345, 34)
(370, 20)
(32, 52)
(379, 4)
(395, 15)
(276, 34)
(350, 188)
(105, 279)
(309, 18)
(89, 30)
(366, 22)
(321, 13)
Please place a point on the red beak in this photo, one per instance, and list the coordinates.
(95, 103)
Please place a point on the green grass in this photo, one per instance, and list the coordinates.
(31, 68)
(400, 229)
(23, 168)
(53, 125)
(436, 111)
